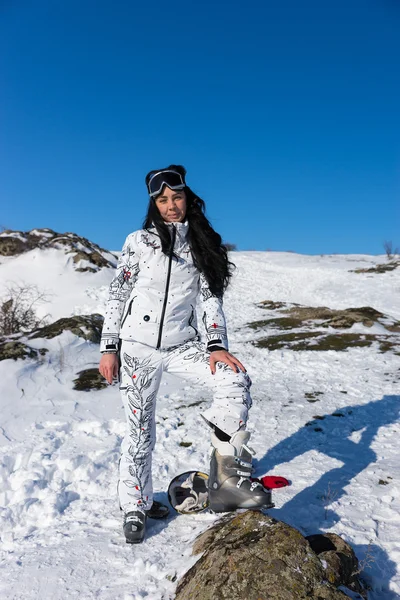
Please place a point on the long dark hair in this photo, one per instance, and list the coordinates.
(209, 253)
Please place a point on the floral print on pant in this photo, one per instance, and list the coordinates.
(141, 372)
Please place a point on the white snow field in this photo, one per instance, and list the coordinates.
(60, 525)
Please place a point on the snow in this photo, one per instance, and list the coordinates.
(52, 271)
(15, 234)
(41, 233)
(60, 524)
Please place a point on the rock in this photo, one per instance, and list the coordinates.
(15, 350)
(11, 246)
(13, 243)
(271, 305)
(87, 327)
(94, 257)
(344, 319)
(341, 562)
(251, 556)
(89, 379)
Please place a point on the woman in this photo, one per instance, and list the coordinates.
(151, 323)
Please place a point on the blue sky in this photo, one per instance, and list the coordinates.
(285, 114)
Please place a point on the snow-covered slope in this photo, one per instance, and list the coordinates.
(59, 519)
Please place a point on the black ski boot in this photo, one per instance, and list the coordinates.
(157, 511)
(134, 526)
(230, 485)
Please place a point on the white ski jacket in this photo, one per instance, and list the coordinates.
(153, 297)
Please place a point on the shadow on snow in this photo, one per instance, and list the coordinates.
(308, 510)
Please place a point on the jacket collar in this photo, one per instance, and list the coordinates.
(181, 232)
(182, 228)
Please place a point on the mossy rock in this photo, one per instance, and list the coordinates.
(88, 380)
(13, 243)
(381, 268)
(93, 257)
(15, 350)
(255, 557)
(310, 313)
(12, 246)
(87, 327)
(347, 318)
(16, 242)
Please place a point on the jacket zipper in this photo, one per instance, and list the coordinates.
(171, 253)
(191, 318)
(128, 312)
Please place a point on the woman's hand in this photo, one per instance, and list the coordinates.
(109, 366)
(227, 358)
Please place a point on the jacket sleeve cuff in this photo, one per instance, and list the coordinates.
(109, 344)
(214, 347)
(217, 344)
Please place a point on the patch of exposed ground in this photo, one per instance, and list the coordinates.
(307, 327)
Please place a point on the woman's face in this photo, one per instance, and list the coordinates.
(172, 205)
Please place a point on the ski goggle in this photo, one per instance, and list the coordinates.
(173, 179)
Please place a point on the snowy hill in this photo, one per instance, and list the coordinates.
(326, 419)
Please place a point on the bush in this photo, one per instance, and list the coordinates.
(390, 251)
(230, 247)
(18, 309)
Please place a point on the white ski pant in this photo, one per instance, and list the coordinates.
(140, 376)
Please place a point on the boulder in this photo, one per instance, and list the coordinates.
(252, 556)
(87, 327)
